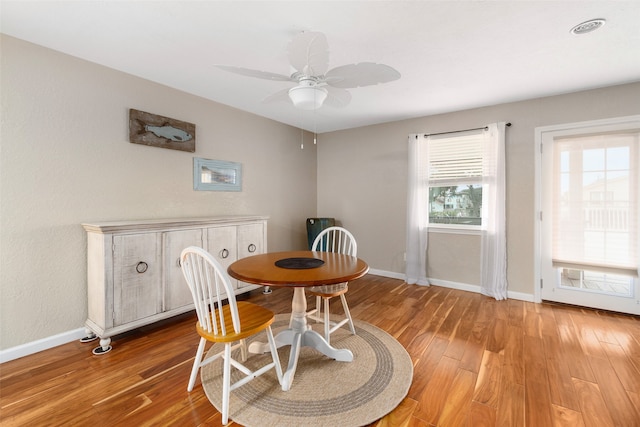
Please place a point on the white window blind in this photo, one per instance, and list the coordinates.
(455, 159)
(595, 207)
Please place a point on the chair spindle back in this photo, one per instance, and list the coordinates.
(209, 285)
(336, 239)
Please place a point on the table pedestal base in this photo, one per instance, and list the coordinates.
(300, 335)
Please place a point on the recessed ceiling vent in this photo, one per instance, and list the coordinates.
(588, 26)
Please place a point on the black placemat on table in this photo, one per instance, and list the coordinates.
(299, 263)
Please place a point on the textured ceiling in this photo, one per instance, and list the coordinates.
(452, 55)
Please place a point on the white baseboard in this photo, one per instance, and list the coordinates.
(41, 344)
(76, 334)
(389, 274)
(476, 288)
(521, 296)
(453, 285)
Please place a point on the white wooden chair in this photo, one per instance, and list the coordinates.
(228, 323)
(340, 240)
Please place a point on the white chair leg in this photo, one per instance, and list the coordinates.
(327, 325)
(226, 383)
(274, 354)
(196, 364)
(318, 308)
(243, 350)
(346, 311)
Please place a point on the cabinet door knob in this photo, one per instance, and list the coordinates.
(224, 253)
(142, 267)
(252, 248)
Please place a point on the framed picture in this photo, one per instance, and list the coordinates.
(216, 175)
(159, 131)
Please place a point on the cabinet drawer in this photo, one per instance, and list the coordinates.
(223, 245)
(136, 274)
(176, 290)
(250, 240)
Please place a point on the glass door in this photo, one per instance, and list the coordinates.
(589, 227)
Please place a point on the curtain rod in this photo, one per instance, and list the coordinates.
(463, 130)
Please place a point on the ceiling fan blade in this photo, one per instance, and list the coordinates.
(281, 95)
(361, 74)
(309, 53)
(255, 73)
(337, 97)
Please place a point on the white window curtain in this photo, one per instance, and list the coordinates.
(493, 264)
(417, 211)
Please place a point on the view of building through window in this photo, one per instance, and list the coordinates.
(460, 205)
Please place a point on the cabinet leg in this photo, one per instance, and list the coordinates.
(105, 346)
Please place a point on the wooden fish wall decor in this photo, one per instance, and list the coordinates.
(158, 131)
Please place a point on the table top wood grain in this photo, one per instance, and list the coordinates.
(262, 270)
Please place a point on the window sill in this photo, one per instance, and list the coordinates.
(455, 230)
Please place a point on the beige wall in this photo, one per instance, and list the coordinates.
(66, 159)
(362, 181)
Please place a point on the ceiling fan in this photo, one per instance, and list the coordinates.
(316, 84)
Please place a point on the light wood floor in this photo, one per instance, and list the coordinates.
(478, 362)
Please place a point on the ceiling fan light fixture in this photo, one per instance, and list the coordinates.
(307, 97)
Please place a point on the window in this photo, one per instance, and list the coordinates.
(455, 180)
(461, 204)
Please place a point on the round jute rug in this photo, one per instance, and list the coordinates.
(324, 392)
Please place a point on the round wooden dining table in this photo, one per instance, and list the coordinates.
(297, 270)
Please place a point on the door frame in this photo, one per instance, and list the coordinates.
(538, 202)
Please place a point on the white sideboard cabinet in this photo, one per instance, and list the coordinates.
(133, 267)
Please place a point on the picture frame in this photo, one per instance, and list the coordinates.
(216, 175)
(163, 132)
